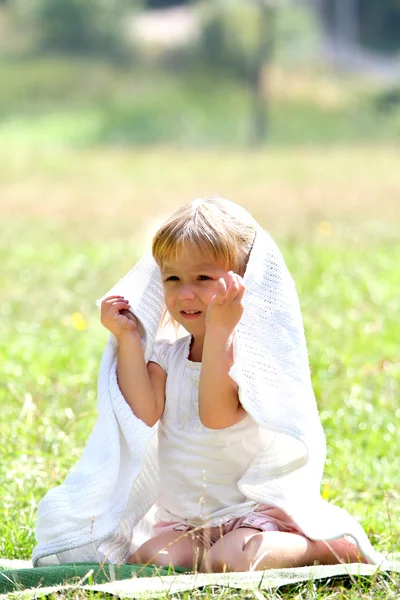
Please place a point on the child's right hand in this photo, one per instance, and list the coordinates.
(116, 317)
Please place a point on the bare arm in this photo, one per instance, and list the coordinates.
(143, 386)
(219, 405)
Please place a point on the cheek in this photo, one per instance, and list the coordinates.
(169, 298)
(209, 293)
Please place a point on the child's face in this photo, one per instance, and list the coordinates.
(189, 284)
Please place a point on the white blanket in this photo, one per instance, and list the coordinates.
(103, 510)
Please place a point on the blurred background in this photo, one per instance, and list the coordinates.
(115, 112)
(199, 73)
(283, 105)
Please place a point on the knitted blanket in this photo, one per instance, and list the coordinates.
(136, 580)
(104, 509)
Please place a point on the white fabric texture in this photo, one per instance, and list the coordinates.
(199, 467)
(103, 510)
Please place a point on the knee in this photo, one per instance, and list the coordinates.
(232, 557)
(216, 560)
(213, 562)
(149, 553)
(259, 554)
(342, 550)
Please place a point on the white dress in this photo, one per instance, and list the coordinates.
(199, 467)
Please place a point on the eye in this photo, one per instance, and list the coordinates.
(172, 278)
(204, 277)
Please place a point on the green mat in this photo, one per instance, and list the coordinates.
(136, 581)
(76, 574)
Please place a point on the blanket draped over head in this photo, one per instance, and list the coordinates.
(103, 509)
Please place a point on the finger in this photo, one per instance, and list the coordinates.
(107, 304)
(233, 287)
(116, 307)
(111, 299)
(115, 302)
(113, 305)
(241, 288)
(221, 292)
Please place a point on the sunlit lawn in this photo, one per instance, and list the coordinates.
(73, 223)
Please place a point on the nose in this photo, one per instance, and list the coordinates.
(186, 292)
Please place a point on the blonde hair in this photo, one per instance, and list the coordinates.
(213, 226)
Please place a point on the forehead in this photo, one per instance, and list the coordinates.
(184, 261)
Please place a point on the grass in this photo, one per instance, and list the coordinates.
(73, 222)
(74, 102)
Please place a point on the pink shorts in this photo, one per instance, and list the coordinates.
(264, 518)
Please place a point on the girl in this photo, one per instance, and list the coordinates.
(213, 436)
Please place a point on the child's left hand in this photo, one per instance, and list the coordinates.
(226, 307)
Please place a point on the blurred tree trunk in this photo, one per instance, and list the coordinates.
(261, 62)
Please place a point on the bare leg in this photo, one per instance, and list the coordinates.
(172, 548)
(246, 549)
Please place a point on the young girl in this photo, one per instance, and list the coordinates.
(214, 438)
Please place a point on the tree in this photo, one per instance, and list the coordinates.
(261, 62)
(237, 39)
(77, 26)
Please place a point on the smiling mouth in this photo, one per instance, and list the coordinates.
(190, 314)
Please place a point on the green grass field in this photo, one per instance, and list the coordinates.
(71, 102)
(74, 221)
